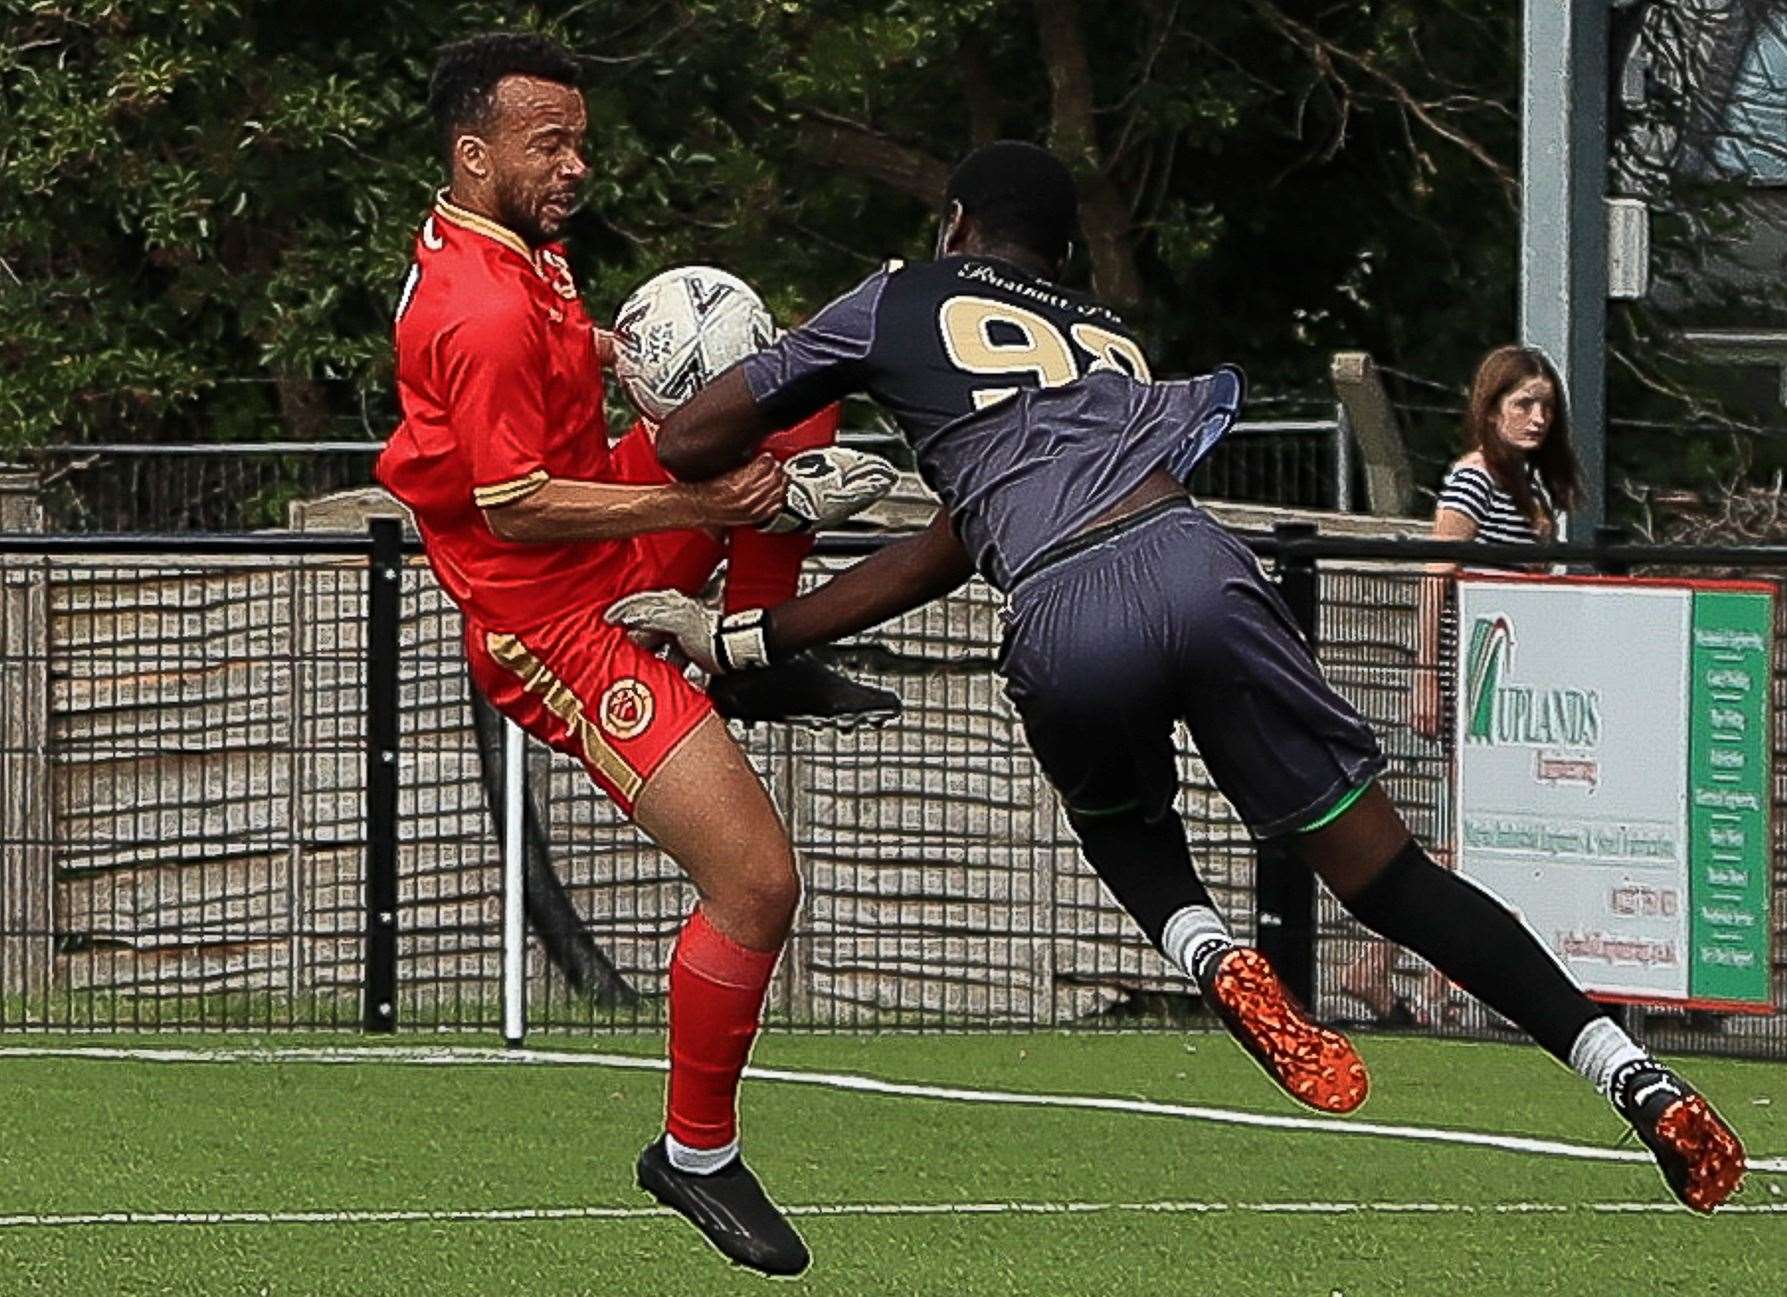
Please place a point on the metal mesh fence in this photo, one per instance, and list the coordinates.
(942, 888)
(192, 488)
(180, 752)
(183, 782)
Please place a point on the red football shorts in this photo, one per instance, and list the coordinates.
(582, 687)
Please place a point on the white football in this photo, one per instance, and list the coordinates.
(680, 329)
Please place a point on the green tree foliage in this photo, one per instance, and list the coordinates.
(206, 205)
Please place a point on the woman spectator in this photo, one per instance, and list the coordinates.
(1517, 478)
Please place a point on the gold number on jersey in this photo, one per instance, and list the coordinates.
(967, 323)
(1113, 351)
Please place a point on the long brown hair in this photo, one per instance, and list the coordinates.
(1499, 373)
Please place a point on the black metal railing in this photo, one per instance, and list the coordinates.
(247, 486)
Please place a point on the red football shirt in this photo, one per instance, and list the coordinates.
(500, 388)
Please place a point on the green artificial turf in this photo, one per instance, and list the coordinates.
(84, 1136)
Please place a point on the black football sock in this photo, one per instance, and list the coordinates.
(1475, 940)
(1146, 865)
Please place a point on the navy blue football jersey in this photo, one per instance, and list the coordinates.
(1028, 406)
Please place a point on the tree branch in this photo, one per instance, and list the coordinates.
(1073, 132)
(852, 146)
(1326, 53)
(986, 108)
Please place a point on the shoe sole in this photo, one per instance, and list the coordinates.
(1315, 1065)
(1709, 1150)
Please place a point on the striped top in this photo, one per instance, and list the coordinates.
(1474, 493)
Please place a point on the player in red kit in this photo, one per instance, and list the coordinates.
(533, 528)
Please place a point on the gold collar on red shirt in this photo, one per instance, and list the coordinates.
(546, 263)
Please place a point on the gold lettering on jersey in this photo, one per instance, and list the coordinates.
(1112, 351)
(967, 323)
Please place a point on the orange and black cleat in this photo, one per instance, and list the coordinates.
(1701, 1158)
(1315, 1065)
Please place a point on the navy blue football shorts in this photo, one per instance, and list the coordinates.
(1166, 617)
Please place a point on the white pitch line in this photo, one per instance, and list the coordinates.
(462, 1056)
(68, 1220)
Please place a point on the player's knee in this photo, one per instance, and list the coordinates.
(777, 894)
(767, 889)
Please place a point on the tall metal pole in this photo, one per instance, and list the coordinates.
(384, 594)
(1563, 220)
(514, 884)
(1284, 888)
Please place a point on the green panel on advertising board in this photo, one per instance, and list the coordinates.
(1728, 796)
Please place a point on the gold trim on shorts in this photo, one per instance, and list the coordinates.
(536, 678)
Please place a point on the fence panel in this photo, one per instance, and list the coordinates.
(183, 777)
(173, 741)
(248, 486)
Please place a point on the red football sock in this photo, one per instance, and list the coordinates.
(716, 996)
(763, 570)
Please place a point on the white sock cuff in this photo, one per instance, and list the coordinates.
(698, 1161)
(1186, 930)
(1600, 1050)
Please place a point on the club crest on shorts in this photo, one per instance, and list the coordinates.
(627, 708)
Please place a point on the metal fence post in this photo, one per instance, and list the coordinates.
(1343, 459)
(1606, 535)
(1284, 888)
(384, 589)
(1629, 1017)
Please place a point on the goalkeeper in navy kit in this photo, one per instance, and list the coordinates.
(1060, 467)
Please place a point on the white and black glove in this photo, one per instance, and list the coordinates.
(669, 619)
(828, 485)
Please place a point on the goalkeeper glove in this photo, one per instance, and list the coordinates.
(828, 485)
(669, 619)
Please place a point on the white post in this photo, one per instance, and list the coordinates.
(1563, 220)
(514, 871)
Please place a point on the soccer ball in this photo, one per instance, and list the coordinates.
(680, 329)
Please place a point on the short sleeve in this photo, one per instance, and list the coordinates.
(823, 360)
(1468, 491)
(495, 366)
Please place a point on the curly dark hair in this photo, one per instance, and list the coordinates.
(465, 73)
(1018, 192)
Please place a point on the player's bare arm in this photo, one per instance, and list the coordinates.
(567, 510)
(905, 575)
(715, 430)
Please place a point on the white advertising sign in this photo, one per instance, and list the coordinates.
(1572, 772)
